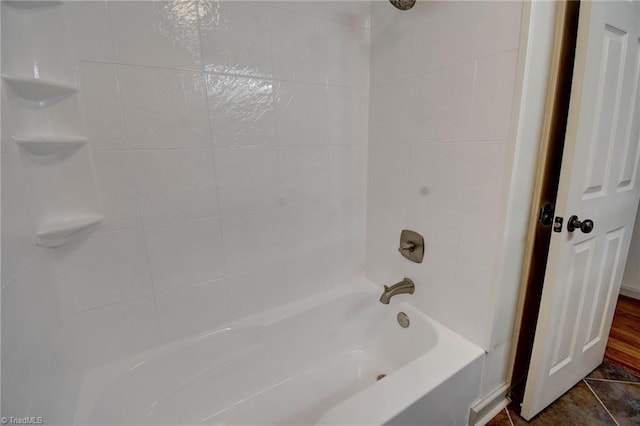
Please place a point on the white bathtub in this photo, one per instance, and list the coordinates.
(312, 362)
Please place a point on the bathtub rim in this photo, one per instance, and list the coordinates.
(410, 382)
(399, 389)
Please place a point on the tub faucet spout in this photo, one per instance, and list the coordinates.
(404, 286)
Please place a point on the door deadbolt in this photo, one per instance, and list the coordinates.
(546, 215)
(574, 223)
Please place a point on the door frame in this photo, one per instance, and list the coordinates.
(546, 185)
(540, 49)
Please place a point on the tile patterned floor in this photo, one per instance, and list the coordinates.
(607, 396)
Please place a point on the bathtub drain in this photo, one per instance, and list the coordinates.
(403, 320)
(381, 376)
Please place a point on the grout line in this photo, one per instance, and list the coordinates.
(30, 258)
(444, 68)
(77, 313)
(626, 382)
(274, 146)
(601, 403)
(214, 167)
(223, 74)
(479, 141)
(509, 416)
(104, 230)
(132, 180)
(322, 18)
(220, 217)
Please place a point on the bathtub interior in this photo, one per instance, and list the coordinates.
(287, 366)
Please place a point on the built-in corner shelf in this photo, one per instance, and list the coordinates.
(29, 4)
(60, 231)
(50, 145)
(38, 89)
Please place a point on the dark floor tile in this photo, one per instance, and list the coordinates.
(502, 419)
(577, 407)
(611, 372)
(621, 399)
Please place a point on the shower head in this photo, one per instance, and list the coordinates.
(403, 4)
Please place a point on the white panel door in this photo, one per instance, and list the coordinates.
(599, 181)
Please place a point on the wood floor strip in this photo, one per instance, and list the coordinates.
(623, 347)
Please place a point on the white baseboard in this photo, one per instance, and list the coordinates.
(491, 414)
(630, 292)
(487, 409)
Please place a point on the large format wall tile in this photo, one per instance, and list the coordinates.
(493, 96)
(444, 98)
(241, 111)
(394, 44)
(234, 38)
(105, 269)
(175, 185)
(313, 128)
(156, 33)
(347, 172)
(348, 55)
(256, 290)
(164, 108)
(101, 104)
(89, 25)
(17, 232)
(117, 190)
(303, 174)
(189, 310)
(252, 240)
(307, 239)
(117, 331)
(348, 116)
(437, 178)
(34, 323)
(446, 33)
(60, 384)
(396, 112)
(484, 169)
(248, 179)
(498, 27)
(300, 46)
(387, 201)
(185, 253)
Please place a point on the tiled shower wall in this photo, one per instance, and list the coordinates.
(442, 92)
(230, 146)
(230, 149)
(227, 179)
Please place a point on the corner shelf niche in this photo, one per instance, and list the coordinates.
(39, 90)
(55, 233)
(32, 4)
(50, 145)
(56, 162)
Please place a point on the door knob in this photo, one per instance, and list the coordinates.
(574, 223)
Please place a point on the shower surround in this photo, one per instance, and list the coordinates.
(244, 160)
